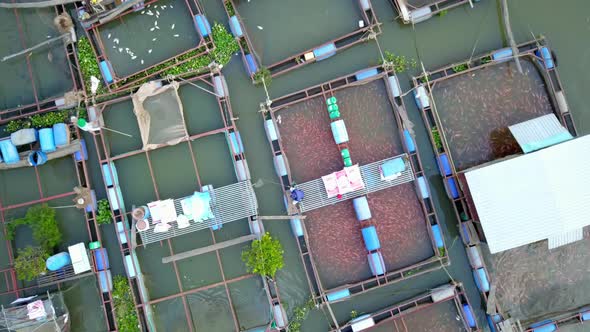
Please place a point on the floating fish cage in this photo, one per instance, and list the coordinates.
(309, 137)
(49, 75)
(74, 263)
(126, 60)
(444, 308)
(251, 56)
(416, 11)
(172, 241)
(467, 108)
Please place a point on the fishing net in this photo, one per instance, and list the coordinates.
(44, 314)
(533, 282)
(159, 115)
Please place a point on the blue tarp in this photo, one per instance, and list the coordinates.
(200, 202)
(392, 167)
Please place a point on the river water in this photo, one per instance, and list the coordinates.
(436, 42)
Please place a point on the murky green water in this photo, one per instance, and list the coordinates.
(436, 42)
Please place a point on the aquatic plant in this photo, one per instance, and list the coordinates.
(436, 138)
(225, 44)
(103, 213)
(264, 257)
(88, 65)
(230, 8)
(459, 68)
(30, 263)
(486, 59)
(441, 252)
(400, 63)
(244, 45)
(354, 314)
(262, 74)
(44, 120)
(124, 306)
(424, 79)
(41, 219)
(443, 12)
(299, 315)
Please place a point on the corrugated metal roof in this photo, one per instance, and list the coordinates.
(535, 196)
(562, 239)
(539, 133)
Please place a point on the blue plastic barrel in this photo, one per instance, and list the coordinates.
(339, 131)
(83, 153)
(37, 158)
(586, 315)
(105, 69)
(61, 134)
(394, 86)
(236, 142)
(445, 166)
(220, 85)
(545, 53)
(481, 280)
(107, 174)
(241, 170)
(296, 227)
(361, 208)
(58, 261)
(101, 258)
(46, 140)
(452, 188)
(105, 280)
(367, 73)
(235, 27)
(338, 295)
(251, 65)
(436, 233)
(549, 327)
(271, 131)
(468, 314)
(371, 238)
(421, 97)
(502, 54)
(424, 193)
(9, 151)
(280, 166)
(465, 232)
(365, 5)
(92, 205)
(376, 263)
(409, 141)
(203, 25)
(324, 51)
(24, 136)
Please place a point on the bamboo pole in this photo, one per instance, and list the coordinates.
(37, 4)
(33, 48)
(509, 34)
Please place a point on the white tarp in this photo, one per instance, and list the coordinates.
(535, 196)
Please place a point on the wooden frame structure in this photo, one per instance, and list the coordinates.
(206, 45)
(126, 239)
(470, 230)
(46, 105)
(414, 306)
(405, 8)
(93, 231)
(325, 90)
(301, 59)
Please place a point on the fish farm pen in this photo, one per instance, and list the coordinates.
(416, 11)
(445, 309)
(59, 180)
(157, 181)
(391, 221)
(272, 46)
(173, 33)
(470, 109)
(39, 81)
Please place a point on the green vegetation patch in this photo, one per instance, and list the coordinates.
(124, 306)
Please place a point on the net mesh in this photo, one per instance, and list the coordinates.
(159, 115)
(56, 319)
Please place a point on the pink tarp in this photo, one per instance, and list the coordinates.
(347, 180)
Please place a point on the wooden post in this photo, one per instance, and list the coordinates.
(509, 34)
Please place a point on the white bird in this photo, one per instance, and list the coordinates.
(171, 6)
(259, 27)
(157, 13)
(142, 12)
(142, 61)
(152, 29)
(155, 22)
(172, 27)
(149, 12)
(133, 57)
(154, 39)
(116, 40)
(176, 35)
(109, 36)
(127, 49)
(157, 27)
(150, 50)
(120, 49)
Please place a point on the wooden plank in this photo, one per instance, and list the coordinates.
(279, 217)
(204, 250)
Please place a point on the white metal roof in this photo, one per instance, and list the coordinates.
(535, 196)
